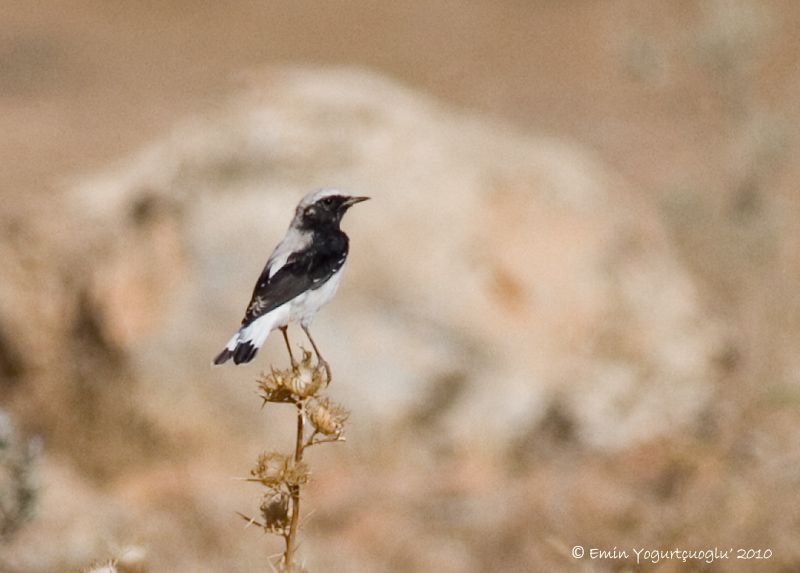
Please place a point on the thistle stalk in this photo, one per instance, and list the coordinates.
(295, 489)
(283, 475)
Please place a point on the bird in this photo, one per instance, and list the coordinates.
(301, 275)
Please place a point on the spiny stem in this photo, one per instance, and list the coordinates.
(295, 491)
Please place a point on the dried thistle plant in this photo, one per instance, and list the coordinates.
(132, 559)
(319, 420)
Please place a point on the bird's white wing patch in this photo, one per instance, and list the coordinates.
(293, 241)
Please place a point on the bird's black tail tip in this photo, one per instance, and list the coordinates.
(244, 352)
(223, 357)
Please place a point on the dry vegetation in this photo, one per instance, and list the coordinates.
(284, 475)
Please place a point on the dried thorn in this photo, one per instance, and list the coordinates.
(310, 441)
(250, 520)
(328, 440)
(307, 517)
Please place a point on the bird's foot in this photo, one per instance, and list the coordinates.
(324, 363)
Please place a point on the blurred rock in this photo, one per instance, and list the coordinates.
(518, 264)
(507, 297)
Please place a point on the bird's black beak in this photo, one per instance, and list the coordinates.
(350, 201)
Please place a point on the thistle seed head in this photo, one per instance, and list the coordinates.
(306, 380)
(270, 468)
(297, 473)
(275, 510)
(327, 417)
(274, 469)
(273, 388)
(292, 385)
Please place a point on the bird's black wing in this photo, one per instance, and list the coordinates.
(304, 270)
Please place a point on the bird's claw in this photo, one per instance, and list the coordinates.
(324, 363)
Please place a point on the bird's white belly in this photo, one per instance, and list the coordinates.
(303, 307)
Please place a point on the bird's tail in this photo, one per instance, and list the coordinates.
(244, 345)
(240, 350)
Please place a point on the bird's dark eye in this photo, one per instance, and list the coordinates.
(328, 201)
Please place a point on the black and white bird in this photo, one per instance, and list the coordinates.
(301, 275)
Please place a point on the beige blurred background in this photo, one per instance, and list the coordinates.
(570, 315)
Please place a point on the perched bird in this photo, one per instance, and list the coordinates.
(301, 275)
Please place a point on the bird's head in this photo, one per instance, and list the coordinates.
(324, 208)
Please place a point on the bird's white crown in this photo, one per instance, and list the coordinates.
(315, 196)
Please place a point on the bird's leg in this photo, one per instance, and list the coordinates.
(284, 330)
(320, 359)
